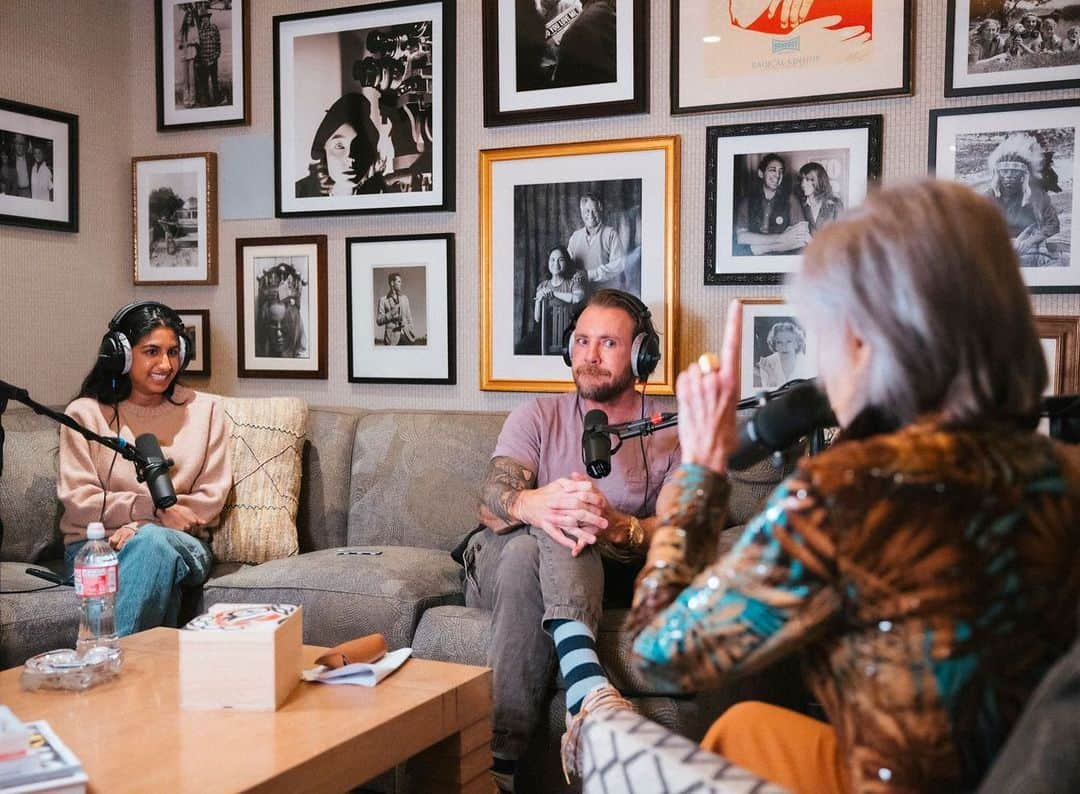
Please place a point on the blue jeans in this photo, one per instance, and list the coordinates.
(154, 564)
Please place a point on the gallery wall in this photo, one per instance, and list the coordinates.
(63, 287)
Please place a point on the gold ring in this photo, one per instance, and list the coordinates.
(708, 362)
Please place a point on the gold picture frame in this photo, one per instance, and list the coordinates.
(1064, 334)
(531, 201)
(174, 219)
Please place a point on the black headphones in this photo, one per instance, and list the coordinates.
(114, 355)
(644, 352)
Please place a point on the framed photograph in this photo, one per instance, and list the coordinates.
(769, 187)
(775, 347)
(174, 218)
(728, 54)
(1024, 158)
(558, 222)
(197, 325)
(281, 307)
(555, 60)
(400, 292)
(1004, 46)
(1060, 338)
(39, 167)
(363, 109)
(202, 63)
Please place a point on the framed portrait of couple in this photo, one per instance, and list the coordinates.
(729, 54)
(559, 222)
(554, 60)
(363, 109)
(771, 186)
(1023, 158)
(39, 167)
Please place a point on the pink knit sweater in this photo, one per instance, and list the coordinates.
(192, 434)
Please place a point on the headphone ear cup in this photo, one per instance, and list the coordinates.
(645, 354)
(567, 343)
(115, 353)
(185, 349)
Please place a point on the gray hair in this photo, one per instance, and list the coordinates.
(926, 274)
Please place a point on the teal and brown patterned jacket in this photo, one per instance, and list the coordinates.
(928, 577)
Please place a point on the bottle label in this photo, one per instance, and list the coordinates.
(95, 580)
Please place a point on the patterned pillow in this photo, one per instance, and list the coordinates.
(266, 441)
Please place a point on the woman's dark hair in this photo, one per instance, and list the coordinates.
(355, 109)
(821, 178)
(109, 389)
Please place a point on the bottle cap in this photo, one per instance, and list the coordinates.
(95, 531)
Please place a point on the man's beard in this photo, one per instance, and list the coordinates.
(603, 392)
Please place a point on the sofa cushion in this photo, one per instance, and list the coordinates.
(322, 522)
(266, 439)
(35, 622)
(348, 595)
(454, 634)
(415, 476)
(29, 509)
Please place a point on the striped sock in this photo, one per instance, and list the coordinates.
(578, 662)
(502, 770)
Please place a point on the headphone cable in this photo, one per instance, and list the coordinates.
(108, 477)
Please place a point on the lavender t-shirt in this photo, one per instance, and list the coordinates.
(544, 434)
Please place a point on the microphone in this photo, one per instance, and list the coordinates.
(596, 444)
(781, 422)
(155, 472)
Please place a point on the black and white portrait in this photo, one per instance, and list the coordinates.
(563, 43)
(173, 219)
(775, 347)
(361, 110)
(571, 239)
(1028, 174)
(26, 166)
(782, 198)
(282, 306)
(400, 310)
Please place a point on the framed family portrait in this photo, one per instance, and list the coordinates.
(197, 326)
(39, 167)
(1023, 157)
(202, 63)
(728, 54)
(554, 60)
(281, 315)
(400, 292)
(174, 217)
(769, 187)
(1004, 46)
(364, 109)
(559, 222)
(775, 347)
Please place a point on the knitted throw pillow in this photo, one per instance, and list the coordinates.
(266, 440)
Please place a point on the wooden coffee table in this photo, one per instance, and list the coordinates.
(131, 735)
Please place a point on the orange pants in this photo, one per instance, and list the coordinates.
(781, 746)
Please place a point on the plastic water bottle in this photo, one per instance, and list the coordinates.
(96, 584)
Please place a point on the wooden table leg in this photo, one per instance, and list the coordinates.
(459, 764)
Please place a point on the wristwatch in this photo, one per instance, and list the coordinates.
(635, 534)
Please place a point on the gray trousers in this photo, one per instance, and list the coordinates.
(525, 579)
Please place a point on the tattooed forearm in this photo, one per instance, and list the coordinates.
(504, 481)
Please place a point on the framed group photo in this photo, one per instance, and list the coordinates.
(364, 109)
(570, 59)
(400, 292)
(1004, 46)
(775, 347)
(281, 314)
(202, 63)
(39, 167)
(728, 54)
(174, 217)
(1023, 157)
(197, 326)
(769, 187)
(559, 222)
(1060, 339)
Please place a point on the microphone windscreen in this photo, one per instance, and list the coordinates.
(787, 418)
(595, 418)
(150, 448)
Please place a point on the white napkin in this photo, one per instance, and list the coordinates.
(359, 672)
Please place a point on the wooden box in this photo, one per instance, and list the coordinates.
(241, 656)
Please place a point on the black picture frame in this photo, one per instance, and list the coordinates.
(34, 124)
(302, 191)
(213, 113)
(961, 81)
(812, 90)
(199, 365)
(581, 106)
(405, 256)
(860, 136)
(992, 123)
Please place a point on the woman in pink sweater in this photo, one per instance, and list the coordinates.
(132, 390)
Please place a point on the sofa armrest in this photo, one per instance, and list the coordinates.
(625, 753)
